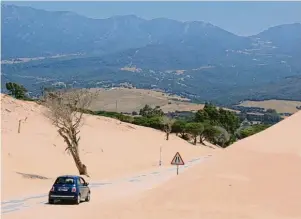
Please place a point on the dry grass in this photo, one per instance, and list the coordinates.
(281, 106)
(129, 100)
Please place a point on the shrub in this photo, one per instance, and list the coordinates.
(16, 90)
(148, 111)
(251, 130)
(152, 122)
(222, 137)
(179, 126)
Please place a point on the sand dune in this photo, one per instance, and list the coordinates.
(258, 177)
(109, 148)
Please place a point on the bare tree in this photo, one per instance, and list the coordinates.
(167, 125)
(66, 108)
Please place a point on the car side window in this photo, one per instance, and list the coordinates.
(82, 181)
(79, 182)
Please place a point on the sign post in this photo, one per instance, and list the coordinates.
(177, 160)
(160, 161)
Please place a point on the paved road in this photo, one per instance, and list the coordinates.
(133, 184)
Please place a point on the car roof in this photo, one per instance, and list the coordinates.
(71, 176)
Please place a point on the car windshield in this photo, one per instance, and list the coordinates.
(64, 180)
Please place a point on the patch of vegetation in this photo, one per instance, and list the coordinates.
(195, 129)
(151, 122)
(148, 111)
(268, 117)
(218, 117)
(215, 125)
(17, 91)
(251, 130)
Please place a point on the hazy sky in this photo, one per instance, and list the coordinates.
(242, 18)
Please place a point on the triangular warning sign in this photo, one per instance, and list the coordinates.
(177, 160)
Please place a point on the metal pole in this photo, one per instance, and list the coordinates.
(19, 127)
(177, 169)
(160, 161)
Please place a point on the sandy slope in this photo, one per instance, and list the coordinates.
(256, 178)
(109, 148)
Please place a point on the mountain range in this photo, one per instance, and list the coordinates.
(193, 59)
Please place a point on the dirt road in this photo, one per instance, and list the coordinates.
(36, 206)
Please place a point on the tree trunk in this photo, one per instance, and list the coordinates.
(167, 136)
(73, 149)
(202, 140)
(82, 168)
(195, 140)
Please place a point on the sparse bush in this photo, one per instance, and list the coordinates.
(134, 113)
(115, 115)
(272, 111)
(167, 125)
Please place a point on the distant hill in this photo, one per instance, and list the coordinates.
(29, 32)
(286, 38)
(193, 59)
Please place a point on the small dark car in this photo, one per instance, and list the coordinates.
(69, 188)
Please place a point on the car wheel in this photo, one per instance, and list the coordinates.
(78, 199)
(50, 201)
(88, 197)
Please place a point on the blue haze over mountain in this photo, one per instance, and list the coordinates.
(241, 18)
(214, 64)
